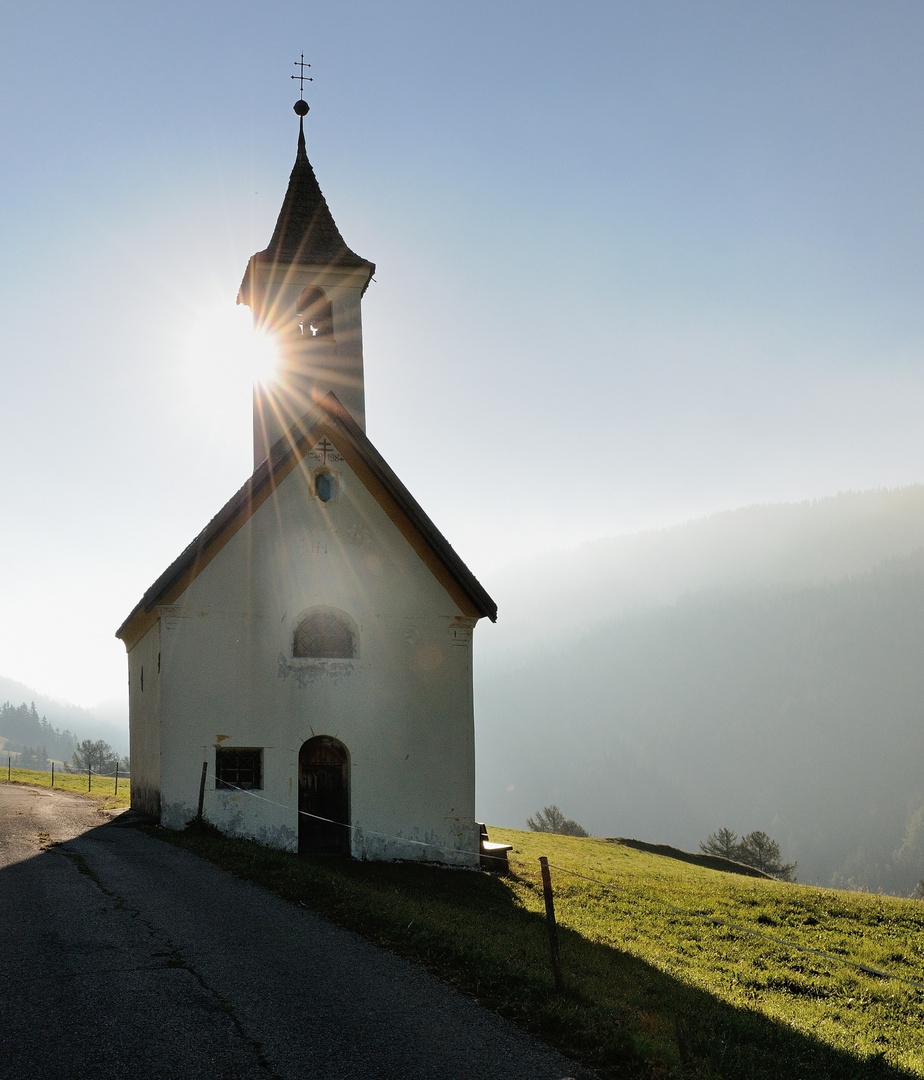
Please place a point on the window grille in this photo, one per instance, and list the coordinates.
(323, 636)
(236, 768)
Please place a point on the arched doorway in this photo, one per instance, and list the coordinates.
(323, 793)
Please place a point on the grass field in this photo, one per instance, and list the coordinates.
(102, 788)
(651, 991)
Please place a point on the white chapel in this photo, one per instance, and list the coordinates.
(312, 646)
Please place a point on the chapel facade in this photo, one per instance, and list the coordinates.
(311, 649)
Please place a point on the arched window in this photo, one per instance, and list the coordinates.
(314, 315)
(324, 636)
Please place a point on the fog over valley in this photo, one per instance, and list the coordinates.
(107, 721)
(758, 669)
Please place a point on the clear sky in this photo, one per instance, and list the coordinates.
(637, 262)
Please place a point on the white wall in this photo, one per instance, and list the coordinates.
(144, 721)
(403, 708)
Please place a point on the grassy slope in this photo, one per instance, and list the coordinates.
(650, 991)
(102, 790)
(829, 1001)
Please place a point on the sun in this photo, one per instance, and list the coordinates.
(254, 353)
(261, 356)
(218, 360)
(221, 345)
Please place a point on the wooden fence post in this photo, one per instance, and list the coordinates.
(205, 766)
(550, 921)
(52, 774)
(89, 778)
(116, 792)
(9, 768)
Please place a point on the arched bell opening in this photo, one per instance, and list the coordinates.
(314, 315)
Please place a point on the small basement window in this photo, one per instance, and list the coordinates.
(238, 768)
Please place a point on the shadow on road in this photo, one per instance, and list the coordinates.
(470, 929)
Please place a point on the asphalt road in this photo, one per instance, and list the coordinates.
(127, 957)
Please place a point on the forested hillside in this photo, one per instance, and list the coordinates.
(795, 709)
(37, 728)
(28, 733)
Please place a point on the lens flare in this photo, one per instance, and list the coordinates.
(262, 357)
(222, 357)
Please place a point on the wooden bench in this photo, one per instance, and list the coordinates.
(493, 856)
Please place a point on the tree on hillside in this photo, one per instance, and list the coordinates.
(33, 757)
(756, 849)
(96, 755)
(723, 843)
(550, 819)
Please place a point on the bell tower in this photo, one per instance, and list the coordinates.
(304, 289)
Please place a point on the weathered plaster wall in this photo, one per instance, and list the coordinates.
(403, 707)
(144, 694)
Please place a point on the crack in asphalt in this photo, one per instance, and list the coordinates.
(181, 970)
(173, 958)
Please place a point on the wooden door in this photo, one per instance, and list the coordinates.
(323, 797)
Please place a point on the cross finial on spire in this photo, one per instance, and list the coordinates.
(301, 76)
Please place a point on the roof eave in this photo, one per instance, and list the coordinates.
(285, 454)
(245, 294)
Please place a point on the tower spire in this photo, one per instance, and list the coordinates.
(305, 289)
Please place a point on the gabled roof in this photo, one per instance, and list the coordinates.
(305, 233)
(327, 417)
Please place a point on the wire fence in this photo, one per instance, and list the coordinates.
(503, 862)
(102, 783)
(545, 866)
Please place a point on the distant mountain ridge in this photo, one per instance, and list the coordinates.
(781, 689)
(789, 544)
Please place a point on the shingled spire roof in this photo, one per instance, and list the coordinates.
(305, 232)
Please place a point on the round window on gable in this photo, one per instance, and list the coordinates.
(326, 485)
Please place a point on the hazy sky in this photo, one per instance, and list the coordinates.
(637, 262)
